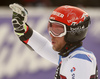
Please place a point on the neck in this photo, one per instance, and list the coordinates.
(69, 47)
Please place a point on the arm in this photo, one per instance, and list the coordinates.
(30, 37)
(43, 47)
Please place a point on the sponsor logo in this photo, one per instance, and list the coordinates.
(73, 74)
(73, 69)
(84, 15)
(58, 14)
(72, 17)
(77, 29)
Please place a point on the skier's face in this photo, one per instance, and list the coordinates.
(57, 42)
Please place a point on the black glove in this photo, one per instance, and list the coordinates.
(19, 20)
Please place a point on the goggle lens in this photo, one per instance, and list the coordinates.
(55, 28)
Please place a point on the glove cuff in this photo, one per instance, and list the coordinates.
(27, 34)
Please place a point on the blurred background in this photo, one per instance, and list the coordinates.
(17, 61)
(53, 3)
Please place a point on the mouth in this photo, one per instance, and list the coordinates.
(53, 42)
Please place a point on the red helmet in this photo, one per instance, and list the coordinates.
(75, 19)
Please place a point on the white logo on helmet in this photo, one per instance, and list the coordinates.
(84, 15)
(73, 17)
(58, 14)
(77, 29)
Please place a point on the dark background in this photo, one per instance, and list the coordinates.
(52, 3)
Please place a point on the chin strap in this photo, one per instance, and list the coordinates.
(69, 47)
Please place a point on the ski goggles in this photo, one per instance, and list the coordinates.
(57, 29)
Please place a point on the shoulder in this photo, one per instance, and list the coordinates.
(83, 54)
(80, 55)
(79, 61)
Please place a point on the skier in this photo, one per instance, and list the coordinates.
(67, 27)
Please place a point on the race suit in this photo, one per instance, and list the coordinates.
(79, 64)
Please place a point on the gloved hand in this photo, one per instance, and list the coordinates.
(19, 18)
